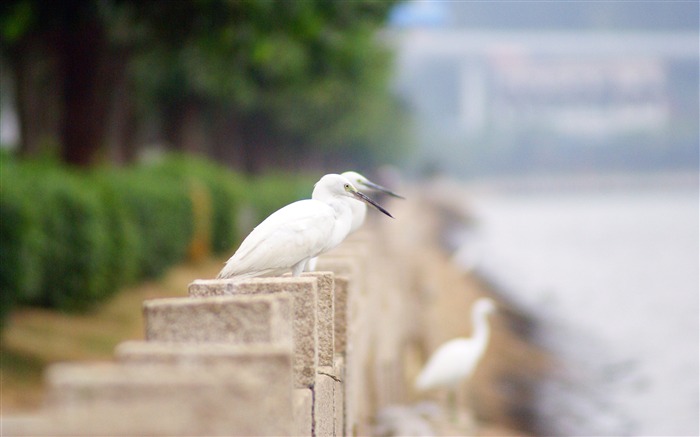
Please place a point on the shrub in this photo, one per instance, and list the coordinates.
(73, 220)
(20, 241)
(124, 240)
(69, 239)
(271, 191)
(224, 196)
(162, 212)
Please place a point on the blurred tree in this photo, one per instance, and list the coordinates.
(62, 60)
(261, 81)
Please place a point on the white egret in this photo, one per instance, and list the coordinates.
(455, 360)
(359, 209)
(292, 235)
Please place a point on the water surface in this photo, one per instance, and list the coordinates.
(613, 279)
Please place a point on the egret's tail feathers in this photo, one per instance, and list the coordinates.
(228, 272)
(228, 275)
(422, 382)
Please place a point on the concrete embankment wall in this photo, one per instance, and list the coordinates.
(318, 355)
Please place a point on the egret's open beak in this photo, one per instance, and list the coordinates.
(372, 185)
(366, 199)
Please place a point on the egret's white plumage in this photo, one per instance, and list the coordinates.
(456, 359)
(358, 208)
(292, 235)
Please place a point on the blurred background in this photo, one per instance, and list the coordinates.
(574, 126)
(138, 135)
(252, 84)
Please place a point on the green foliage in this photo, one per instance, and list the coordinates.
(225, 191)
(20, 240)
(314, 70)
(273, 190)
(161, 209)
(53, 238)
(125, 241)
(15, 20)
(70, 239)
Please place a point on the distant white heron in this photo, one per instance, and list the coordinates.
(358, 208)
(292, 235)
(455, 360)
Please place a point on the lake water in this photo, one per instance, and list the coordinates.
(613, 280)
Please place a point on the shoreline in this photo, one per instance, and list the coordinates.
(584, 263)
(505, 384)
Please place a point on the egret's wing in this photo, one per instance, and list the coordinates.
(299, 230)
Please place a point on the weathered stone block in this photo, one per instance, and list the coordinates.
(325, 315)
(225, 394)
(324, 403)
(228, 319)
(340, 308)
(29, 425)
(339, 396)
(303, 412)
(303, 291)
(210, 356)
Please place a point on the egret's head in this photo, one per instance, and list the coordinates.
(335, 185)
(362, 182)
(484, 306)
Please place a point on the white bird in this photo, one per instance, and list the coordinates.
(455, 360)
(359, 209)
(292, 235)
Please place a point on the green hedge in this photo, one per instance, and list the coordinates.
(221, 192)
(20, 241)
(76, 239)
(161, 209)
(69, 239)
(270, 191)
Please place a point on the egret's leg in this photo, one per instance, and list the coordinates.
(299, 267)
(311, 265)
(452, 404)
(470, 417)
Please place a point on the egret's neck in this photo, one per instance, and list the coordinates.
(340, 206)
(343, 221)
(359, 211)
(481, 329)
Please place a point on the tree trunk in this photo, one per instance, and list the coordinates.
(85, 77)
(192, 131)
(122, 125)
(257, 146)
(226, 139)
(183, 127)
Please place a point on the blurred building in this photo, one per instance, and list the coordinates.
(583, 83)
(547, 97)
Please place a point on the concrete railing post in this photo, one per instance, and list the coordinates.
(171, 389)
(220, 319)
(304, 332)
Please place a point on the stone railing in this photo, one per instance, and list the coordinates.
(264, 356)
(317, 355)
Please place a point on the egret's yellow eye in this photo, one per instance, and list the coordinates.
(347, 187)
